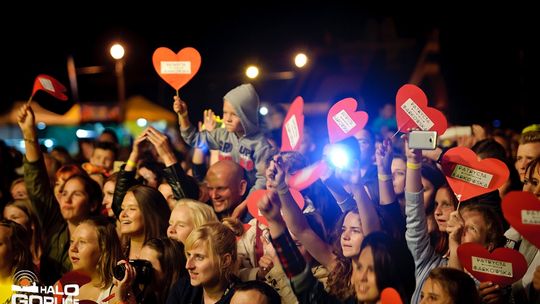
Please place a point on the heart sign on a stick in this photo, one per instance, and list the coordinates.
(176, 69)
(343, 120)
(50, 85)
(522, 211)
(469, 177)
(412, 111)
(307, 176)
(503, 266)
(292, 131)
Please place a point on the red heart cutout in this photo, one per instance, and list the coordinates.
(307, 176)
(412, 111)
(252, 201)
(503, 266)
(292, 131)
(469, 177)
(257, 195)
(522, 211)
(343, 120)
(390, 296)
(176, 69)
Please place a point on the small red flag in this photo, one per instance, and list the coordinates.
(49, 85)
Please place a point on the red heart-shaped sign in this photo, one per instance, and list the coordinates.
(176, 69)
(343, 120)
(522, 211)
(412, 111)
(292, 131)
(307, 176)
(390, 296)
(252, 201)
(469, 177)
(503, 266)
(257, 195)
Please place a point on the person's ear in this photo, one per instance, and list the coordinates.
(243, 187)
(226, 261)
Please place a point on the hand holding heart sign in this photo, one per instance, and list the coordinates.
(176, 69)
(413, 112)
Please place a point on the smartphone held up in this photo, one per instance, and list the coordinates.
(423, 140)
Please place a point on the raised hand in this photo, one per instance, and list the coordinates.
(270, 207)
(27, 121)
(413, 155)
(161, 143)
(275, 174)
(180, 107)
(383, 155)
(210, 123)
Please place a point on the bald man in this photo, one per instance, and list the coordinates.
(227, 185)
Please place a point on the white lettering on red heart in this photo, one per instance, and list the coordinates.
(472, 176)
(344, 121)
(490, 266)
(417, 115)
(175, 67)
(291, 127)
(47, 84)
(530, 217)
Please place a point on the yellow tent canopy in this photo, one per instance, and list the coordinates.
(136, 107)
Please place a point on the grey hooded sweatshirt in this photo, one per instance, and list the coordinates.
(250, 150)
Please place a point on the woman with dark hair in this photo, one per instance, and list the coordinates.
(449, 286)
(168, 265)
(144, 215)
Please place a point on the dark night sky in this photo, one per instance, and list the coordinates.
(486, 59)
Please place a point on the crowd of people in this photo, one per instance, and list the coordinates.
(174, 227)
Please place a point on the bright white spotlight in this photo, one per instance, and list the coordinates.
(82, 133)
(300, 60)
(263, 111)
(252, 71)
(141, 122)
(117, 51)
(339, 157)
(41, 125)
(48, 143)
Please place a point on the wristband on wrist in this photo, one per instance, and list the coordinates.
(384, 177)
(30, 140)
(414, 166)
(131, 163)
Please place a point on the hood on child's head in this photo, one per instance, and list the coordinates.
(245, 101)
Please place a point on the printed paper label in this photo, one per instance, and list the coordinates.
(472, 176)
(531, 217)
(344, 121)
(489, 266)
(46, 84)
(292, 131)
(176, 67)
(417, 115)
